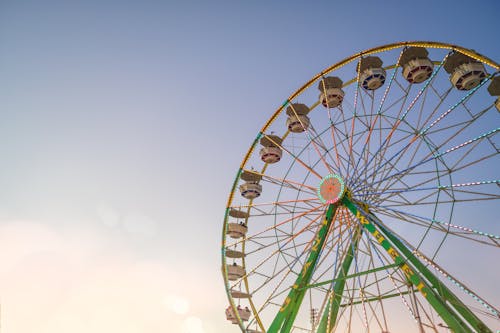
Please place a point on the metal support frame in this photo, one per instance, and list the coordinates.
(456, 315)
(442, 290)
(333, 306)
(284, 319)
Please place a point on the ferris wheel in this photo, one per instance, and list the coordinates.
(373, 207)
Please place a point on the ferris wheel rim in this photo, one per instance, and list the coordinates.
(375, 50)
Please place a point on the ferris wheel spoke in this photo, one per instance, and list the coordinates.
(405, 135)
(422, 132)
(311, 139)
(297, 186)
(402, 115)
(484, 137)
(451, 201)
(362, 184)
(336, 161)
(355, 153)
(275, 293)
(365, 151)
(382, 188)
(386, 144)
(283, 210)
(353, 118)
(340, 165)
(377, 115)
(288, 312)
(276, 225)
(429, 262)
(338, 243)
(329, 317)
(461, 125)
(441, 117)
(421, 202)
(472, 195)
(430, 322)
(433, 188)
(455, 167)
(453, 300)
(450, 315)
(469, 145)
(275, 203)
(461, 285)
(426, 222)
(278, 252)
(286, 267)
(280, 208)
(428, 177)
(341, 139)
(461, 101)
(436, 177)
(393, 274)
(370, 244)
(401, 194)
(341, 246)
(295, 157)
(391, 166)
(361, 288)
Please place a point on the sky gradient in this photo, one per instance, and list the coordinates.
(123, 125)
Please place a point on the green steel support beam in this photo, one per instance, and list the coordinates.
(286, 316)
(445, 293)
(451, 318)
(332, 309)
(314, 285)
(372, 299)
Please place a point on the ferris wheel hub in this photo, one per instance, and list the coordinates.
(331, 189)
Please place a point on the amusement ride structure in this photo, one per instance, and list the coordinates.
(373, 207)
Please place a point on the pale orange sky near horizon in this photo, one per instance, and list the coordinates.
(80, 279)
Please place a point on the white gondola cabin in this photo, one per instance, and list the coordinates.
(230, 315)
(238, 214)
(271, 151)
(251, 188)
(237, 229)
(235, 272)
(331, 93)
(417, 67)
(239, 294)
(465, 72)
(234, 254)
(244, 314)
(297, 121)
(372, 75)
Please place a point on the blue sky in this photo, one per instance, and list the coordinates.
(123, 124)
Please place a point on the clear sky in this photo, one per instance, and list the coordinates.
(123, 124)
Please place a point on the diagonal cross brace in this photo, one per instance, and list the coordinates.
(286, 316)
(447, 305)
(331, 310)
